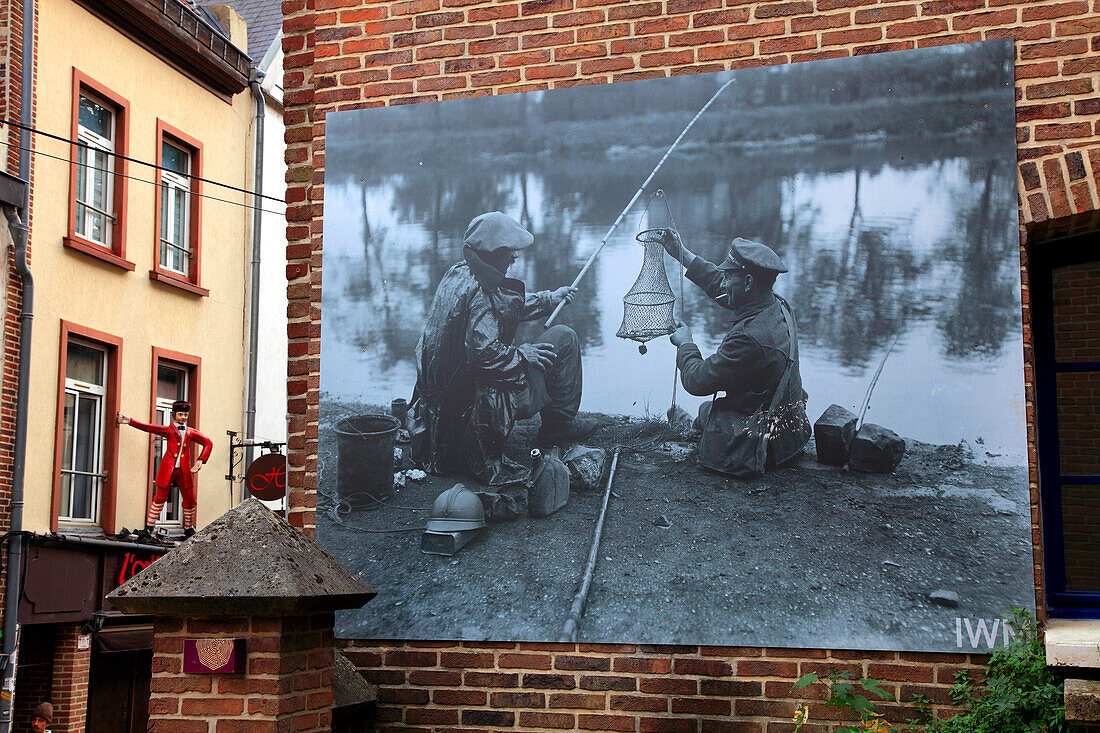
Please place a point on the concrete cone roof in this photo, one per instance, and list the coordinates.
(249, 561)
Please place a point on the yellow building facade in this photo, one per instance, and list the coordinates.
(141, 273)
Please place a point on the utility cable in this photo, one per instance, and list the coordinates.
(154, 183)
(70, 141)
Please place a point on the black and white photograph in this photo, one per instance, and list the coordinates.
(725, 358)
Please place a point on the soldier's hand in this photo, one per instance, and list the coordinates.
(198, 466)
(540, 355)
(682, 334)
(670, 240)
(565, 292)
(121, 419)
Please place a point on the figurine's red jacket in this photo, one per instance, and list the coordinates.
(172, 449)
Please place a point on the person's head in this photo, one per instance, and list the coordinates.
(41, 717)
(750, 270)
(180, 412)
(496, 238)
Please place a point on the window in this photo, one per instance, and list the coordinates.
(97, 174)
(1065, 297)
(175, 210)
(175, 377)
(96, 133)
(178, 212)
(82, 443)
(171, 386)
(86, 450)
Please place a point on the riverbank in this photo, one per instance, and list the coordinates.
(807, 554)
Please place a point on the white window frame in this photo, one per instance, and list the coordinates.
(175, 185)
(172, 513)
(94, 141)
(98, 395)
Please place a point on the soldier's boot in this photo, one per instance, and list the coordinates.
(188, 532)
(572, 431)
(144, 535)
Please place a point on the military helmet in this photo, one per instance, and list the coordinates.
(456, 509)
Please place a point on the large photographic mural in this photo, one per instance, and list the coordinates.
(830, 243)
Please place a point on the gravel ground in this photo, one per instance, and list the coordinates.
(807, 555)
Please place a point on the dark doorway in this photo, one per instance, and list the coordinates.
(118, 692)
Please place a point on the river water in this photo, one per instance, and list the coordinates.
(902, 242)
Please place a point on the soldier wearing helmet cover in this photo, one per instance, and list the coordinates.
(473, 382)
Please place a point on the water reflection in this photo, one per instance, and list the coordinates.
(889, 238)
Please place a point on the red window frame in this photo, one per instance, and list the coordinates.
(116, 253)
(192, 283)
(193, 366)
(113, 346)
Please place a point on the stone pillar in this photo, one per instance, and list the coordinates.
(248, 575)
(69, 690)
(287, 685)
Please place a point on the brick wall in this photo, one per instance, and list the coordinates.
(287, 685)
(69, 691)
(347, 54)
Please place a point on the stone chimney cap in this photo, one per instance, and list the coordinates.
(249, 561)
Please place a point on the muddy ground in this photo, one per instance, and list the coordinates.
(808, 555)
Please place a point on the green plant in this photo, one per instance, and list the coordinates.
(844, 697)
(1020, 694)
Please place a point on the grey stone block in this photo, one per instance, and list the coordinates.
(1083, 702)
(876, 449)
(833, 434)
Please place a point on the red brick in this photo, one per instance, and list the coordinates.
(761, 668)
(1062, 132)
(661, 25)
(577, 700)
(820, 22)
(666, 725)
(756, 30)
(899, 672)
(726, 51)
(545, 721)
(854, 35)
(668, 685)
(1054, 49)
(590, 721)
(722, 17)
(1051, 10)
(639, 703)
(884, 15)
(458, 697)
(950, 7)
(517, 700)
(916, 28)
(1063, 88)
(782, 9)
(667, 58)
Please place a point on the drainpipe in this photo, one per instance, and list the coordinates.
(20, 230)
(254, 295)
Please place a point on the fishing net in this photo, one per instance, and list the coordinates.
(648, 305)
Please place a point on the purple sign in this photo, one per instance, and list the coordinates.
(217, 656)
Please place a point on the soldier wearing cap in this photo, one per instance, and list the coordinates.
(473, 382)
(761, 421)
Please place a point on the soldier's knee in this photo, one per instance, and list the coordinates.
(562, 336)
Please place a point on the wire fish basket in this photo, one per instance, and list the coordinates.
(648, 305)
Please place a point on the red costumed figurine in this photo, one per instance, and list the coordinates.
(175, 466)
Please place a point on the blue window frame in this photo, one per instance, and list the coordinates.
(1065, 300)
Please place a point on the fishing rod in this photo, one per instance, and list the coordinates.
(634, 199)
(576, 610)
(874, 380)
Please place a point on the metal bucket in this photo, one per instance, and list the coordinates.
(365, 446)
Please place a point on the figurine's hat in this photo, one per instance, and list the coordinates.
(181, 406)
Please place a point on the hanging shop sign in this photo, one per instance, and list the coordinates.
(266, 477)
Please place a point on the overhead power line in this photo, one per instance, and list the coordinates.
(152, 183)
(60, 138)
